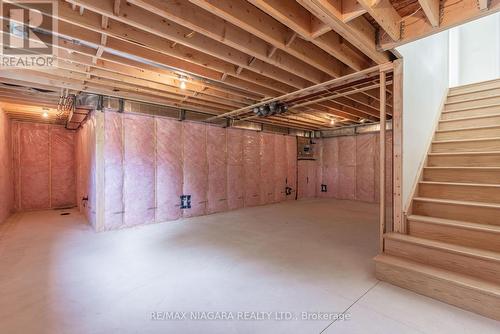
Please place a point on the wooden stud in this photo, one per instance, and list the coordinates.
(382, 160)
(431, 10)
(397, 131)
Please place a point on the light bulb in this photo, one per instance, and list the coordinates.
(183, 84)
(332, 122)
(45, 114)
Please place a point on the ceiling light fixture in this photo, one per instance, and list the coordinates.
(182, 84)
(332, 121)
(45, 114)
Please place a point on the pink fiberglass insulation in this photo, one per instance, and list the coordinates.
(365, 167)
(347, 167)
(34, 165)
(307, 176)
(169, 173)
(319, 167)
(217, 169)
(251, 156)
(15, 128)
(139, 170)
(388, 168)
(113, 170)
(330, 158)
(6, 177)
(280, 172)
(62, 167)
(302, 179)
(235, 169)
(266, 168)
(195, 168)
(291, 159)
(85, 168)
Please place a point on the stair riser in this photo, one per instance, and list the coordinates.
(468, 134)
(462, 176)
(492, 101)
(472, 160)
(474, 88)
(476, 267)
(460, 193)
(471, 113)
(470, 123)
(474, 95)
(467, 146)
(454, 294)
(473, 214)
(455, 235)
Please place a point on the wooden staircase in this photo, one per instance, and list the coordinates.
(451, 251)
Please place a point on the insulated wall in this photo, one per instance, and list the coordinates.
(235, 170)
(350, 167)
(85, 158)
(150, 162)
(6, 170)
(44, 161)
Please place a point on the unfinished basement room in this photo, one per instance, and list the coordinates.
(250, 166)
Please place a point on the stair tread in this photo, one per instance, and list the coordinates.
(465, 167)
(449, 201)
(475, 99)
(451, 248)
(465, 140)
(442, 274)
(451, 94)
(465, 153)
(474, 84)
(468, 118)
(466, 184)
(456, 223)
(485, 106)
(470, 128)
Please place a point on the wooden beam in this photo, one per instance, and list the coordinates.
(358, 32)
(351, 9)
(431, 10)
(311, 67)
(483, 4)
(291, 14)
(386, 16)
(242, 14)
(453, 14)
(397, 132)
(382, 161)
(117, 7)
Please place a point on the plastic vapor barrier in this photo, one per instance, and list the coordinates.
(235, 169)
(195, 168)
(251, 162)
(62, 168)
(267, 168)
(113, 170)
(217, 169)
(291, 159)
(139, 170)
(280, 168)
(44, 161)
(169, 172)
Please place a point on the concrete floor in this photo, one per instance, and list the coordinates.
(58, 276)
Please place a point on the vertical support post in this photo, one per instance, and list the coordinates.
(383, 103)
(397, 131)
